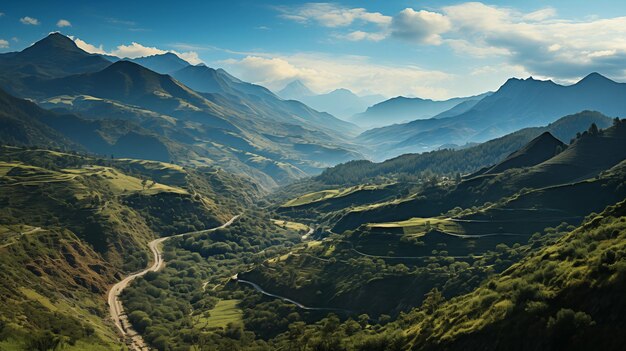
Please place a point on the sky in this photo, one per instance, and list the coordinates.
(427, 48)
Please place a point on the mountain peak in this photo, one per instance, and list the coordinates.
(594, 78)
(295, 90)
(538, 150)
(54, 40)
(342, 91)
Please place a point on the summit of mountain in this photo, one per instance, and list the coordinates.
(166, 63)
(540, 149)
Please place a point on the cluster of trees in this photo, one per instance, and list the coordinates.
(166, 306)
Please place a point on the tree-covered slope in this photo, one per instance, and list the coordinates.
(72, 224)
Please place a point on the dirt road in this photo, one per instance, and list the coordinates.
(116, 310)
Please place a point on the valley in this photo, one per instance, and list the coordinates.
(152, 203)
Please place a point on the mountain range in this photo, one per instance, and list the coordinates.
(342, 103)
(403, 109)
(237, 125)
(212, 213)
(519, 103)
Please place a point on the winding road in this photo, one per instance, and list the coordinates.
(286, 299)
(116, 310)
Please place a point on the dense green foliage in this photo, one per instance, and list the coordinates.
(180, 297)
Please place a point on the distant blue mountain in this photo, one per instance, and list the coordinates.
(519, 103)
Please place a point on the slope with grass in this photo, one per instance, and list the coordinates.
(566, 295)
(71, 223)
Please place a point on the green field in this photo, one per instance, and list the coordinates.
(421, 225)
(329, 194)
(224, 313)
(298, 227)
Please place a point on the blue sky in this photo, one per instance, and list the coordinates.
(435, 49)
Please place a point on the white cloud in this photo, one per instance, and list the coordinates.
(88, 47)
(332, 15)
(420, 26)
(540, 15)
(190, 56)
(135, 50)
(542, 44)
(1, 14)
(29, 21)
(359, 35)
(323, 72)
(63, 23)
(4, 44)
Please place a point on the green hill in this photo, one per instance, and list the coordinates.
(72, 224)
(584, 159)
(560, 294)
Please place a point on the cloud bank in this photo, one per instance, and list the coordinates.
(539, 41)
(134, 50)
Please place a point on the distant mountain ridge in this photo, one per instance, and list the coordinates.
(517, 104)
(295, 90)
(341, 102)
(402, 109)
(161, 63)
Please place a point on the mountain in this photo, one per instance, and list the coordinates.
(26, 124)
(241, 126)
(295, 90)
(131, 83)
(402, 109)
(558, 181)
(217, 81)
(536, 151)
(466, 160)
(161, 63)
(517, 104)
(51, 57)
(20, 124)
(341, 103)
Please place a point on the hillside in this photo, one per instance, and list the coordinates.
(586, 158)
(539, 294)
(71, 224)
(517, 104)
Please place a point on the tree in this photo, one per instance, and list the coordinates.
(593, 129)
(432, 299)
